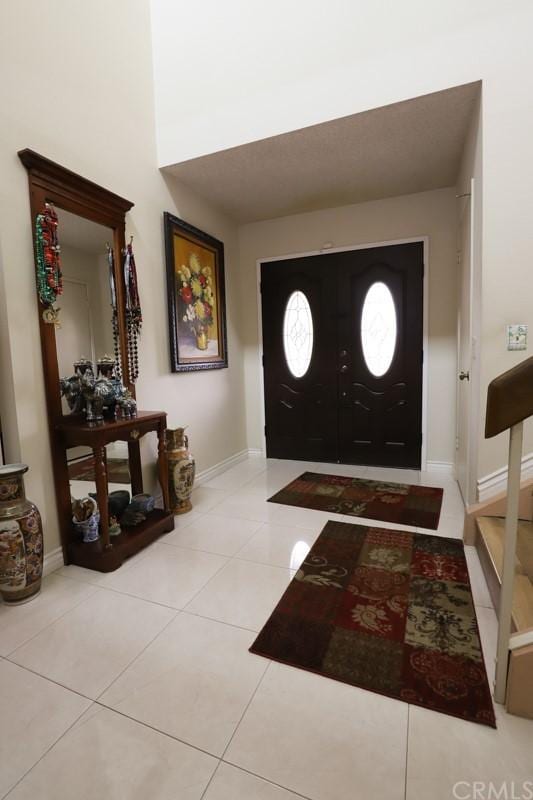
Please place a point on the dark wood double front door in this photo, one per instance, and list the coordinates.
(342, 356)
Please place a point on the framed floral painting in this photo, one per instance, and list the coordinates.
(196, 297)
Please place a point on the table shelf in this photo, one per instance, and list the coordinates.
(108, 553)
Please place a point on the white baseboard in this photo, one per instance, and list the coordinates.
(444, 467)
(496, 482)
(52, 561)
(208, 474)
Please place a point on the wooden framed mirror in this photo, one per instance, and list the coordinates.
(91, 219)
(78, 197)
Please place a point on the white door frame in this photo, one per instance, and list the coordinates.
(79, 282)
(474, 302)
(425, 331)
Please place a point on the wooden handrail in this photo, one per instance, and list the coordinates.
(509, 398)
(509, 403)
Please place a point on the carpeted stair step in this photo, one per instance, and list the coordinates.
(490, 543)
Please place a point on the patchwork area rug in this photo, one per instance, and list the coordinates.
(118, 470)
(403, 503)
(388, 611)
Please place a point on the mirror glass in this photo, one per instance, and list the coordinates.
(86, 332)
(81, 470)
(85, 306)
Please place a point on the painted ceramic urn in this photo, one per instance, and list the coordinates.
(181, 470)
(21, 538)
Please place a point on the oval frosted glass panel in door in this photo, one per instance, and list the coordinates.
(378, 329)
(298, 334)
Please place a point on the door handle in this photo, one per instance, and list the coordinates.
(344, 368)
(464, 376)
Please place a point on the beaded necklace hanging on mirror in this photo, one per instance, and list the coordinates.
(133, 311)
(47, 262)
(114, 319)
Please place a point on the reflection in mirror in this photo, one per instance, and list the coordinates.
(81, 470)
(86, 332)
(85, 305)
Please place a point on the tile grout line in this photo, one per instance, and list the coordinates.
(50, 680)
(129, 664)
(219, 621)
(103, 707)
(212, 552)
(76, 691)
(157, 602)
(31, 638)
(228, 559)
(269, 664)
(175, 615)
(22, 777)
(210, 781)
(266, 780)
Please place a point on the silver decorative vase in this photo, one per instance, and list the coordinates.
(21, 538)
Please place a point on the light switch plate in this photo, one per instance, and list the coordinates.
(517, 337)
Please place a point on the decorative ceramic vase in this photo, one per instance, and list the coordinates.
(181, 470)
(21, 538)
(144, 503)
(89, 527)
(201, 338)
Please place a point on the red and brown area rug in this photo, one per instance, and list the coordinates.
(418, 506)
(388, 611)
(118, 470)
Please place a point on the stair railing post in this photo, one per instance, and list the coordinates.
(509, 561)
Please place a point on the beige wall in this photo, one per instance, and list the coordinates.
(272, 82)
(80, 92)
(431, 214)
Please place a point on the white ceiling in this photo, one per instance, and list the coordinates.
(403, 148)
(81, 233)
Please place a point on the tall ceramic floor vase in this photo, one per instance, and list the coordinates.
(181, 470)
(21, 538)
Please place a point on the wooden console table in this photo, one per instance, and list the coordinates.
(108, 554)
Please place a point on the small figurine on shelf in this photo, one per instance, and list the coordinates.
(126, 406)
(86, 518)
(117, 502)
(144, 503)
(98, 394)
(101, 397)
(132, 517)
(71, 387)
(137, 511)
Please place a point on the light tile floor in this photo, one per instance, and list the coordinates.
(139, 684)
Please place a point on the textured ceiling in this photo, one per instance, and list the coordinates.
(403, 148)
